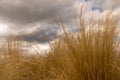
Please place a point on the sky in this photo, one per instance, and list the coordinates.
(36, 20)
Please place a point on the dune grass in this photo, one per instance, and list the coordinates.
(91, 54)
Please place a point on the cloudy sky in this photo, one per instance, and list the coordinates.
(33, 19)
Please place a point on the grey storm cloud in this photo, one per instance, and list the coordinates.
(41, 36)
(30, 11)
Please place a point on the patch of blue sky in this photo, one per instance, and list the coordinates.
(97, 8)
(87, 0)
(75, 29)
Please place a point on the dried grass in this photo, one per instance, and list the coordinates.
(88, 55)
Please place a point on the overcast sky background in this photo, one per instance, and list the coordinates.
(30, 19)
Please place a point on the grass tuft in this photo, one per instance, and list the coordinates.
(91, 54)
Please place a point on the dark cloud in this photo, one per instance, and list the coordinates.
(47, 34)
(30, 11)
(41, 36)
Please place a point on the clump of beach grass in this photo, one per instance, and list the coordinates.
(91, 54)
